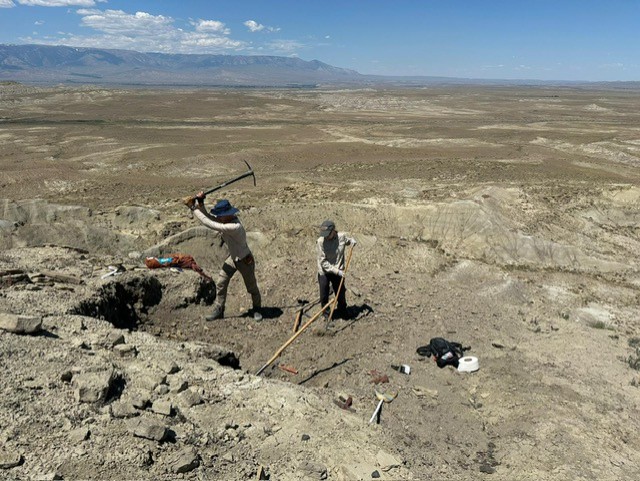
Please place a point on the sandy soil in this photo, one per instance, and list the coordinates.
(503, 218)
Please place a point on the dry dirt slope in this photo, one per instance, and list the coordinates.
(518, 237)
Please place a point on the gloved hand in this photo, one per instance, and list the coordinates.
(201, 196)
(189, 201)
(340, 272)
(354, 242)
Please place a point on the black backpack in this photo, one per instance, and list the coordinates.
(446, 353)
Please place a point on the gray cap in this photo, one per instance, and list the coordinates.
(326, 228)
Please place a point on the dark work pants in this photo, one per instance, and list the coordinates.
(334, 280)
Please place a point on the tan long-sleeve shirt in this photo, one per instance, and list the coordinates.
(331, 253)
(233, 234)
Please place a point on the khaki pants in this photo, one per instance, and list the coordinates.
(247, 268)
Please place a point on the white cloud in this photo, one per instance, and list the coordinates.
(211, 26)
(222, 43)
(286, 47)
(39, 22)
(57, 3)
(613, 65)
(254, 26)
(7, 4)
(117, 22)
(145, 32)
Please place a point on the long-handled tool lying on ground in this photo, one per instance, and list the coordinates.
(304, 306)
(383, 397)
(292, 338)
(310, 321)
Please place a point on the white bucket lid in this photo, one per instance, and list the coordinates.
(468, 364)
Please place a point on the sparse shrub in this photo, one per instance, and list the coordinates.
(634, 342)
(634, 360)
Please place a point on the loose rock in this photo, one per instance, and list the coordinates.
(148, 429)
(18, 324)
(10, 460)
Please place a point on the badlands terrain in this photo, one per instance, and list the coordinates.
(504, 218)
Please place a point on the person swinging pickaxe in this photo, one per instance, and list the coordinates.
(222, 218)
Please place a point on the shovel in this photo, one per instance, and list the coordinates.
(383, 397)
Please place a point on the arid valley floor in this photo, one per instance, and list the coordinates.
(505, 218)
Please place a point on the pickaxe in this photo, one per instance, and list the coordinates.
(236, 179)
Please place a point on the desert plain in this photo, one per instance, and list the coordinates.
(504, 218)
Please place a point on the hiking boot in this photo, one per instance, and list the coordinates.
(256, 314)
(218, 313)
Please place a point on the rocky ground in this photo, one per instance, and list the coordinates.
(502, 218)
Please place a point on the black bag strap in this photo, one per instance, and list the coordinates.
(438, 342)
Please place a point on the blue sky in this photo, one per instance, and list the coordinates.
(516, 39)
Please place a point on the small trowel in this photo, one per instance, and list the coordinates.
(383, 397)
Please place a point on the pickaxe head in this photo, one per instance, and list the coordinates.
(235, 179)
(251, 172)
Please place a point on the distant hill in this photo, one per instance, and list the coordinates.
(55, 64)
(44, 64)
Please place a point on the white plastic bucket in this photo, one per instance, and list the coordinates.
(468, 364)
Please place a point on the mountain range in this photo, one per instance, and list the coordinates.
(46, 64)
(61, 64)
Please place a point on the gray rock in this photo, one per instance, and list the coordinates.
(79, 435)
(313, 470)
(168, 367)
(114, 338)
(140, 400)
(10, 460)
(148, 429)
(189, 398)
(123, 409)
(228, 457)
(80, 344)
(386, 461)
(93, 387)
(125, 350)
(55, 476)
(7, 225)
(11, 277)
(184, 460)
(151, 380)
(161, 389)
(18, 324)
(178, 385)
(34, 384)
(162, 407)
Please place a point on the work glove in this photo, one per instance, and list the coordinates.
(340, 272)
(190, 202)
(354, 242)
(200, 197)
